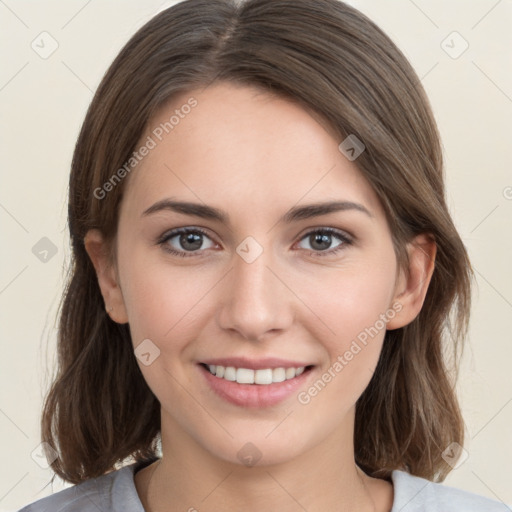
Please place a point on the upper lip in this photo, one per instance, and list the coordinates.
(254, 364)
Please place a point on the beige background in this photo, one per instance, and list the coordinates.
(43, 102)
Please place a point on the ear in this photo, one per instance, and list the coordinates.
(412, 286)
(108, 280)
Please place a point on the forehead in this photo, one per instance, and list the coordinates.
(240, 146)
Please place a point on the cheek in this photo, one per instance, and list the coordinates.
(163, 305)
(160, 299)
(350, 301)
(352, 310)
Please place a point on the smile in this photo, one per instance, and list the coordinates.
(268, 383)
(262, 377)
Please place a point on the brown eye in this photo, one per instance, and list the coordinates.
(185, 240)
(321, 240)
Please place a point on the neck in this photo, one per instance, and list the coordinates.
(188, 477)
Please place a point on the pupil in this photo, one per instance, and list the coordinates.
(191, 238)
(321, 239)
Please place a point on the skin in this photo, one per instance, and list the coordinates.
(255, 156)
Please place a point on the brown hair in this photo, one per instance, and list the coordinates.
(337, 63)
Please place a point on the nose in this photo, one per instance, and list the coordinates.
(256, 299)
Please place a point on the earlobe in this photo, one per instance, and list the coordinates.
(98, 250)
(413, 285)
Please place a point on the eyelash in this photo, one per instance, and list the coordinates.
(171, 234)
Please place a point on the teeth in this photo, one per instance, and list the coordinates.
(245, 376)
(262, 377)
(279, 374)
(229, 373)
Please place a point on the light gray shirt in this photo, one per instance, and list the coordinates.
(116, 492)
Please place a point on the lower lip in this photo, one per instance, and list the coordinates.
(254, 395)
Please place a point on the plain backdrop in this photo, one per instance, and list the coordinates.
(462, 52)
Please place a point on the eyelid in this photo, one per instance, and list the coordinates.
(178, 230)
(330, 229)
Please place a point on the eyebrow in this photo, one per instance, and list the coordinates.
(294, 214)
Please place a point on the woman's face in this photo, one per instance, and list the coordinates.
(273, 284)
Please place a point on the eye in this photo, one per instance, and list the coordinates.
(187, 240)
(321, 239)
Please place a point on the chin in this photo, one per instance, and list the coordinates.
(256, 451)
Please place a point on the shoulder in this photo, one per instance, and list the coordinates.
(415, 494)
(114, 491)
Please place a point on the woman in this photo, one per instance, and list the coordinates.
(257, 201)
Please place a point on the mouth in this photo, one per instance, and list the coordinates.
(260, 387)
(259, 377)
